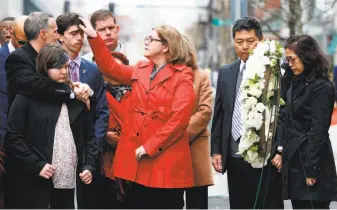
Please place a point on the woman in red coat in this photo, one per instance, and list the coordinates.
(153, 150)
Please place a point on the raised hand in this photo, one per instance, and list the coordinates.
(87, 28)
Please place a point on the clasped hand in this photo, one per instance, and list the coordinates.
(82, 92)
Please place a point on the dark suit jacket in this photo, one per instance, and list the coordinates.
(23, 79)
(223, 111)
(90, 75)
(4, 52)
(29, 146)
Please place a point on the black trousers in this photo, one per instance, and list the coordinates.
(62, 199)
(100, 194)
(141, 197)
(305, 204)
(197, 198)
(243, 184)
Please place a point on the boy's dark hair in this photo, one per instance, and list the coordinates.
(101, 14)
(247, 23)
(66, 20)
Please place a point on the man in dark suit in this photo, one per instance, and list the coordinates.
(71, 39)
(40, 29)
(18, 38)
(243, 179)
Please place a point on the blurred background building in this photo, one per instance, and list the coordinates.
(209, 22)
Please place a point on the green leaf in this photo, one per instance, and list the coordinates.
(282, 102)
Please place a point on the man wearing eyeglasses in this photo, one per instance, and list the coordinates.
(18, 38)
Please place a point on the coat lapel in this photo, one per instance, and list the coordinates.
(75, 107)
(83, 72)
(143, 75)
(165, 73)
(231, 78)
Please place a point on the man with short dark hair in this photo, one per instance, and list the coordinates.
(5, 26)
(104, 22)
(243, 179)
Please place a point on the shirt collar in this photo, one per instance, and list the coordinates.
(242, 65)
(77, 60)
(11, 48)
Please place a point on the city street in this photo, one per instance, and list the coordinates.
(218, 194)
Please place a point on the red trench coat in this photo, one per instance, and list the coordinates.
(161, 113)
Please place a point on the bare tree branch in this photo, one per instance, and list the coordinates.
(270, 29)
(323, 12)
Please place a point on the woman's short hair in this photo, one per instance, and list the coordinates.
(50, 57)
(316, 63)
(192, 62)
(177, 49)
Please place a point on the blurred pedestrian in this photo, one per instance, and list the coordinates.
(5, 26)
(18, 39)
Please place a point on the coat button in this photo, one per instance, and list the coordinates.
(137, 134)
(142, 113)
(147, 92)
(145, 126)
(160, 149)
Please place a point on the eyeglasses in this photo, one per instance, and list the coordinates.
(150, 39)
(20, 41)
(291, 59)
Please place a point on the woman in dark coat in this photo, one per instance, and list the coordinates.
(308, 167)
(50, 148)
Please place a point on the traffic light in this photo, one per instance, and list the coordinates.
(112, 7)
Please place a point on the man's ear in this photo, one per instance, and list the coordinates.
(43, 34)
(61, 38)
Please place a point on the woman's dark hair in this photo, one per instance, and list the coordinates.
(316, 64)
(50, 57)
(121, 57)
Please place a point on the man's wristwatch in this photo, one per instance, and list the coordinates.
(279, 150)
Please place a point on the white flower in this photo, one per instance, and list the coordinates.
(273, 62)
(266, 60)
(260, 107)
(249, 103)
(272, 47)
(255, 91)
(252, 155)
(244, 145)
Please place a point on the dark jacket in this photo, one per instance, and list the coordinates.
(29, 146)
(4, 52)
(90, 75)
(22, 78)
(307, 151)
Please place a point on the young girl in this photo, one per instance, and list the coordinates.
(50, 146)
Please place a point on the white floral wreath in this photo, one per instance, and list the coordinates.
(260, 97)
